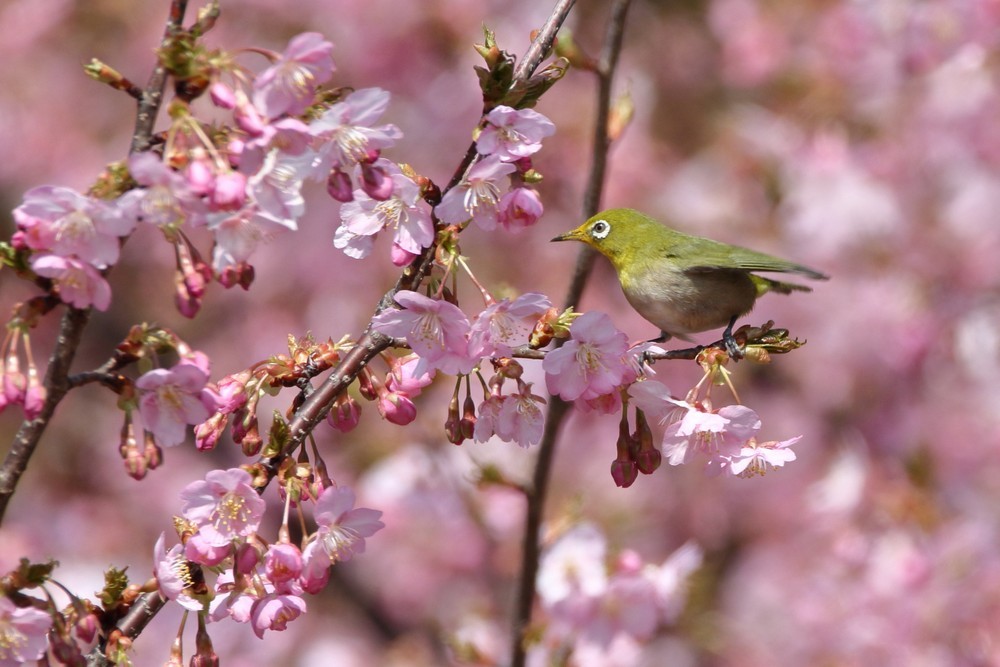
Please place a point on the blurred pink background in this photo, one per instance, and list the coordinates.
(858, 138)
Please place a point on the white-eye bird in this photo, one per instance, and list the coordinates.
(684, 284)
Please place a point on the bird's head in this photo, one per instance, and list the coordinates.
(615, 233)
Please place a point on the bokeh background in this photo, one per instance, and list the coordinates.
(861, 138)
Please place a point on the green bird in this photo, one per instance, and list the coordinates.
(684, 284)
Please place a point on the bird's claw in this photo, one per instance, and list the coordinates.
(732, 347)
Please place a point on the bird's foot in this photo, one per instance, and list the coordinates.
(732, 347)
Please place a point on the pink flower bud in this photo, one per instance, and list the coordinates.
(246, 559)
(235, 149)
(375, 182)
(222, 95)
(345, 415)
(200, 176)
(34, 397)
(397, 408)
(230, 192)
(624, 472)
(249, 120)
(283, 562)
(339, 186)
(401, 257)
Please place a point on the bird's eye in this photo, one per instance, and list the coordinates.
(600, 229)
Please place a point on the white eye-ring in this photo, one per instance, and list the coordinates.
(600, 229)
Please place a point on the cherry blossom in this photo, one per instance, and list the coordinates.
(79, 283)
(23, 632)
(170, 399)
(436, 330)
(477, 197)
(592, 363)
(289, 85)
(342, 527)
(506, 324)
(511, 134)
(224, 500)
(62, 221)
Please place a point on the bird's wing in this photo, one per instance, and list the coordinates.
(716, 256)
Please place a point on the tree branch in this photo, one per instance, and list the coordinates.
(369, 345)
(558, 408)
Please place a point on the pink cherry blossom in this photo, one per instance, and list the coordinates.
(521, 420)
(289, 85)
(79, 283)
(506, 324)
(477, 197)
(511, 134)
(224, 500)
(403, 212)
(403, 376)
(172, 574)
(520, 208)
(166, 199)
(756, 458)
(23, 631)
(66, 223)
(436, 330)
(276, 189)
(347, 129)
(572, 576)
(592, 363)
(715, 434)
(488, 417)
(274, 611)
(283, 562)
(208, 546)
(237, 235)
(315, 567)
(342, 527)
(170, 399)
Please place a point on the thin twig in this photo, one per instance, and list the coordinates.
(56, 385)
(558, 408)
(371, 343)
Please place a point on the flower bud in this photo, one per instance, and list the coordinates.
(230, 192)
(453, 425)
(624, 472)
(222, 95)
(397, 408)
(401, 257)
(345, 415)
(375, 182)
(338, 186)
(468, 422)
(248, 119)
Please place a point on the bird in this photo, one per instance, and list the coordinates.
(680, 283)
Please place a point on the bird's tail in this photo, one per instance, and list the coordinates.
(765, 285)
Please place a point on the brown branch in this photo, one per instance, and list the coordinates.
(371, 343)
(152, 96)
(558, 408)
(56, 385)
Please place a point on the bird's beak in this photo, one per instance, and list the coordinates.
(568, 236)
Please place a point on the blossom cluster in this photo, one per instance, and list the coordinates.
(726, 437)
(242, 192)
(260, 583)
(597, 609)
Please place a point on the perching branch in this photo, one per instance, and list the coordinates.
(371, 343)
(74, 321)
(558, 408)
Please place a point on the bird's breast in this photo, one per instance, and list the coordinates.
(682, 303)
